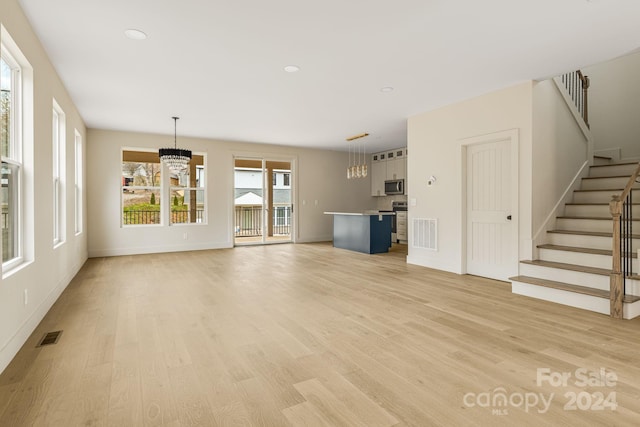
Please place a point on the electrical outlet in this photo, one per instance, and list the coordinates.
(26, 296)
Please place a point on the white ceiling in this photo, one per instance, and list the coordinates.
(218, 64)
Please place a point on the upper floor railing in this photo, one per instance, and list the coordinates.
(577, 84)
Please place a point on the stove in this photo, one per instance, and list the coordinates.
(399, 222)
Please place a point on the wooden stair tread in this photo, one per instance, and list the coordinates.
(572, 267)
(614, 190)
(589, 233)
(612, 164)
(593, 204)
(582, 250)
(607, 177)
(597, 218)
(570, 288)
(575, 249)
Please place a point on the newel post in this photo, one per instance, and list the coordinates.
(615, 286)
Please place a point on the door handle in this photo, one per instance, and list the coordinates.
(509, 217)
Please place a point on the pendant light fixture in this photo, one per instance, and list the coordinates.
(175, 158)
(359, 169)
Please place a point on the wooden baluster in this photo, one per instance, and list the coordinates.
(585, 90)
(615, 285)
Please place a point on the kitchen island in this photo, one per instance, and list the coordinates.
(368, 232)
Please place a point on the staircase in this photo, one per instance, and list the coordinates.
(575, 263)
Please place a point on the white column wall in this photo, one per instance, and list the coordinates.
(434, 145)
(48, 270)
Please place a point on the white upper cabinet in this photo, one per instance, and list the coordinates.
(397, 164)
(378, 173)
(387, 165)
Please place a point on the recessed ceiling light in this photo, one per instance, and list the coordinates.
(134, 34)
(386, 89)
(292, 68)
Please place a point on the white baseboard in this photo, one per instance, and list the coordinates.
(433, 263)
(15, 343)
(317, 239)
(141, 250)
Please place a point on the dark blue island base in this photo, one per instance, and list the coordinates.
(367, 233)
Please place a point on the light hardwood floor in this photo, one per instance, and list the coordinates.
(309, 335)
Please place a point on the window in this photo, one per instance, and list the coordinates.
(287, 179)
(78, 182)
(58, 146)
(141, 187)
(12, 168)
(187, 193)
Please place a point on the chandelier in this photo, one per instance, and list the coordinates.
(175, 158)
(359, 169)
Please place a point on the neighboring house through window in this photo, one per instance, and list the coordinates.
(141, 187)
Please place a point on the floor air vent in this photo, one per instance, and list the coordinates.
(50, 338)
(425, 233)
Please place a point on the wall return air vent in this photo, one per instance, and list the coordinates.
(425, 233)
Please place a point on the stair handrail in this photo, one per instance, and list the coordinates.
(621, 206)
(577, 85)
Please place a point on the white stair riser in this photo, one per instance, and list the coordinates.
(572, 299)
(586, 224)
(631, 311)
(605, 183)
(581, 241)
(632, 287)
(601, 161)
(598, 196)
(578, 258)
(595, 210)
(579, 278)
(613, 170)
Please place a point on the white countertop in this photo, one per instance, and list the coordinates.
(365, 213)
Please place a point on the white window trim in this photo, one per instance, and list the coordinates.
(15, 157)
(202, 188)
(78, 184)
(59, 168)
(161, 190)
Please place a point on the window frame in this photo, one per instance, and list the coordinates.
(59, 173)
(14, 156)
(201, 174)
(160, 187)
(78, 183)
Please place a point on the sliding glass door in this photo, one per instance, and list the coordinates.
(263, 209)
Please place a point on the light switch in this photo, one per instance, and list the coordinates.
(413, 202)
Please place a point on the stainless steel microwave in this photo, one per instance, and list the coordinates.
(394, 186)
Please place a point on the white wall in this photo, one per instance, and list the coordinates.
(614, 104)
(434, 145)
(49, 271)
(561, 153)
(318, 175)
